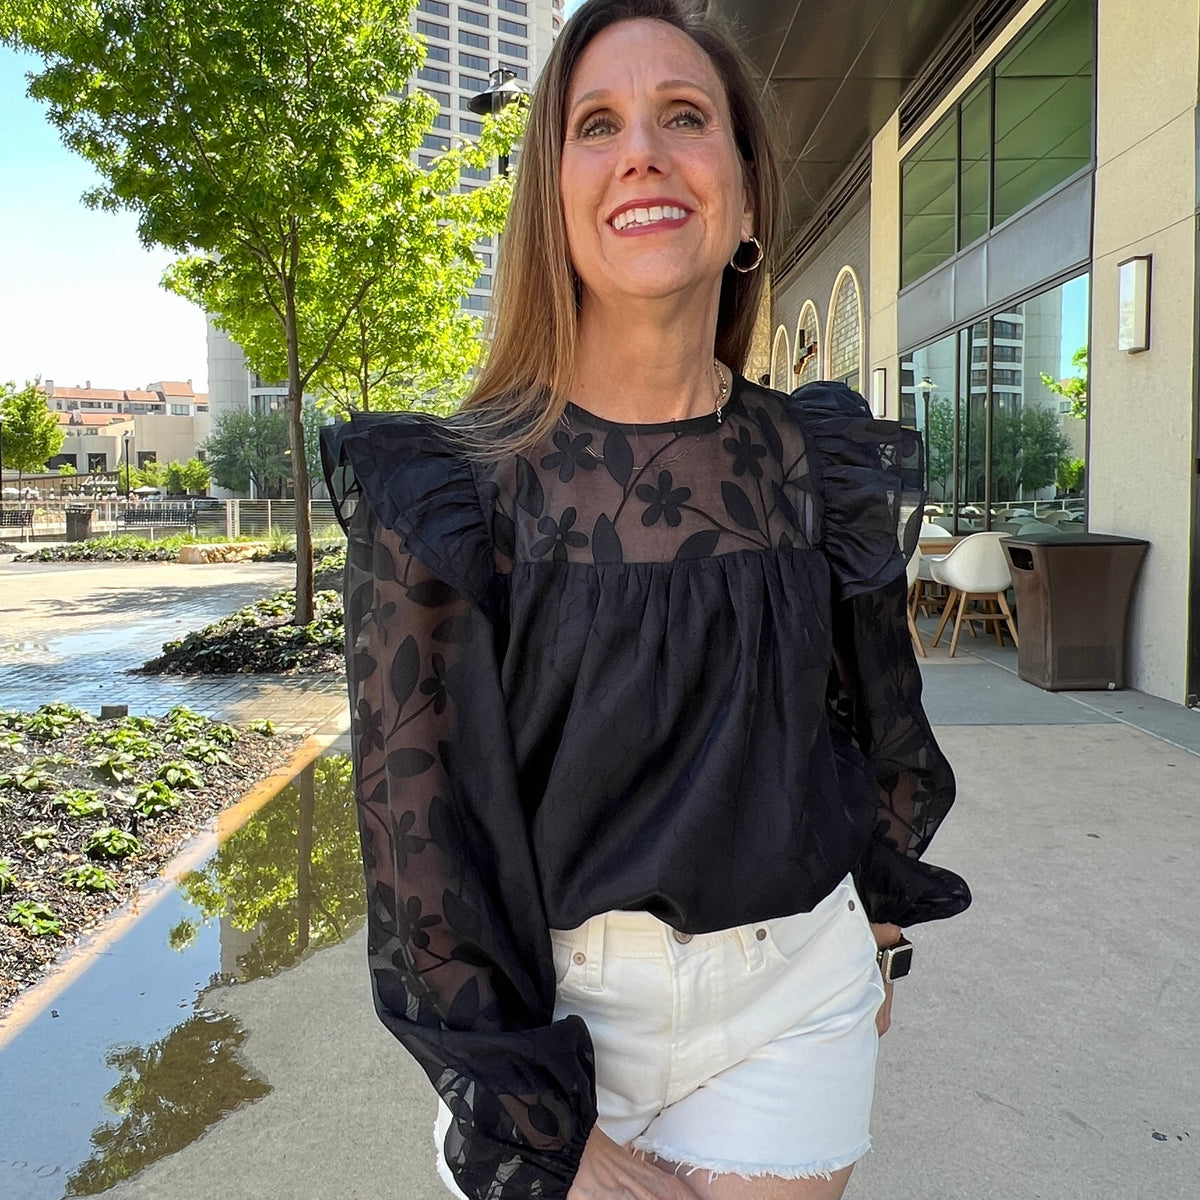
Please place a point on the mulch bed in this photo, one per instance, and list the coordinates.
(57, 747)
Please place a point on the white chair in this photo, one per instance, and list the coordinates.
(976, 569)
(922, 594)
(913, 568)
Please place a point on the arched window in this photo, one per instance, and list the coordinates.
(845, 338)
(808, 355)
(781, 362)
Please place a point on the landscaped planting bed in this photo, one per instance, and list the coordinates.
(260, 639)
(90, 810)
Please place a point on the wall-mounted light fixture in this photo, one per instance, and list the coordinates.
(879, 391)
(1133, 304)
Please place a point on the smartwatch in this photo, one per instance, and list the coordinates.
(895, 961)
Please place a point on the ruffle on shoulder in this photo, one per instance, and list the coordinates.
(871, 474)
(421, 486)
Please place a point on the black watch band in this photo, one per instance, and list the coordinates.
(895, 961)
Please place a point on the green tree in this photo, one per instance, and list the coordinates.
(273, 144)
(939, 447)
(31, 431)
(1075, 388)
(1027, 446)
(196, 476)
(248, 447)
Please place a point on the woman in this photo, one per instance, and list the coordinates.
(631, 680)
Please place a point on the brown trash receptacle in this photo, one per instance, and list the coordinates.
(1073, 592)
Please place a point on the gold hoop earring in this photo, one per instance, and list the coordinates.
(733, 262)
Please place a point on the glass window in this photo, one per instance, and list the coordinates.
(473, 18)
(433, 75)
(476, 173)
(432, 142)
(441, 121)
(1044, 107)
(807, 359)
(511, 48)
(845, 337)
(467, 125)
(476, 303)
(519, 71)
(781, 366)
(515, 28)
(479, 40)
(440, 97)
(514, 6)
(433, 29)
(436, 7)
(975, 144)
(472, 61)
(437, 53)
(927, 200)
(472, 82)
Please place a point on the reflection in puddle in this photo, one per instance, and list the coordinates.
(168, 1094)
(136, 1060)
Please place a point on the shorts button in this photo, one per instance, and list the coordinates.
(681, 937)
(761, 934)
(579, 958)
(851, 903)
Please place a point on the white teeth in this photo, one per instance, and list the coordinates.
(648, 216)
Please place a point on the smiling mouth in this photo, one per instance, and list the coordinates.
(652, 215)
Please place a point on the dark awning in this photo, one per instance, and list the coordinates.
(839, 69)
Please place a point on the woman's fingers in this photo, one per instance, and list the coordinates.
(608, 1171)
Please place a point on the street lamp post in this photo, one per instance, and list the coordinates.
(128, 481)
(505, 89)
(926, 389)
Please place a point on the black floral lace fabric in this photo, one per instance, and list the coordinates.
(661, 667)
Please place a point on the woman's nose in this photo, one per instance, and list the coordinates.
(642, 150)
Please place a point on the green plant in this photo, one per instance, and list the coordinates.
(10, 739)
(8, 880)
(264, 727)
(205, 751)
(89, 878)
(53, 719)
(182, 723)
(115, 765)
(28, 777)
(111, 842)
(79, 802)
(41, 837)
(180, 774)
(34, 918)
(125, 740)
(154, 798)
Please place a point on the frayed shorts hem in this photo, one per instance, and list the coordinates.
(688, 1166)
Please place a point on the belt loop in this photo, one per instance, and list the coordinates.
(752, 944)
(593, 972)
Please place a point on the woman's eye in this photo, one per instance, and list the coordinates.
(595, 125)
(688, 118)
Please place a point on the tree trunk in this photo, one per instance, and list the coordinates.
(300, 485)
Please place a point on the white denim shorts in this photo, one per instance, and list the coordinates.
(749, 1051)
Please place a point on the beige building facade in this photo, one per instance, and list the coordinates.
(967, 264)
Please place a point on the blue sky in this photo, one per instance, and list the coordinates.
(79, 296)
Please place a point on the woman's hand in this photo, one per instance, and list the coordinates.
(886, 935)
(611, 1172)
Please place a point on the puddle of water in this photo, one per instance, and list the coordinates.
(135, 1060)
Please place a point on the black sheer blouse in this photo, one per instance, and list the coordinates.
(654, 667)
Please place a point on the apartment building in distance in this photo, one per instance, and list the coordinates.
(166, 421)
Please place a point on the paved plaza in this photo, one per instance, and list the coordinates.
(1045, 1047)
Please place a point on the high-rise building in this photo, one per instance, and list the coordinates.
(465, 43)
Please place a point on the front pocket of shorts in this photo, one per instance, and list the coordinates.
(564, 953)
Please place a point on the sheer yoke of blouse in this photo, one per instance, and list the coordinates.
(656, 667)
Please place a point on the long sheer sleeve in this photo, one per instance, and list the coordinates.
(459, 949)
(867, 466)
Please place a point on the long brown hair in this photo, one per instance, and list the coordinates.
(519, 391)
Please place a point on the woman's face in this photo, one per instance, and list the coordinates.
(651, 183)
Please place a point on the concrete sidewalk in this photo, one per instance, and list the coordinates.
(1045, 1047)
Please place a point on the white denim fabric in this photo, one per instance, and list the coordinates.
(749, 1051)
